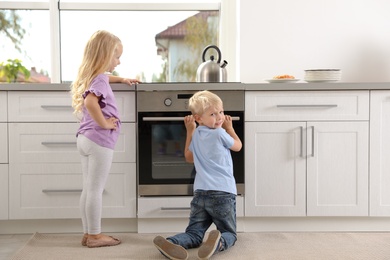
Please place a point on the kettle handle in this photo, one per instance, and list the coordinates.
(214, 47)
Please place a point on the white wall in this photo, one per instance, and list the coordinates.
(287, 37)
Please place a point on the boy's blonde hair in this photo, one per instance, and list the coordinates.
(202, 100)
(98, 54)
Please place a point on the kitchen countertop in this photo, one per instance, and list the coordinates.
(210, 86)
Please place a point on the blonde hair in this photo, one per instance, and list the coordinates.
(203, 100)
(98, 54)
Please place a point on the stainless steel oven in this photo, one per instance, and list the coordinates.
(162, 169)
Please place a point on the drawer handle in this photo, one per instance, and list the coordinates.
(175, 208)
(49, 107)
(65, 190)
(58, 143)
(309, 106)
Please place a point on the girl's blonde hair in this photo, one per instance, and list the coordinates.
(202, 100)
(98, 54)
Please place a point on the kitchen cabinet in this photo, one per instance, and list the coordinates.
(3, 191)
(44, 164)
(306, 153)
(380, 153)
(3, 157)
(52, 191)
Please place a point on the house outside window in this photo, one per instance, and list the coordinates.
(169, 51)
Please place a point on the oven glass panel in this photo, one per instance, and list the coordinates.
(160, 149)
(168, 142)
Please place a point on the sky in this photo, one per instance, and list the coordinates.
(135, 29)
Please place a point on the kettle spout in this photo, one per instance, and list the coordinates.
(223, 65)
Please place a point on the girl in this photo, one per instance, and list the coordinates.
(93, 98)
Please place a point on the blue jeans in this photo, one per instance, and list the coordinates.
(209, 207)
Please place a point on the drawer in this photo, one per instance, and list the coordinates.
(174, 207)
(49, 191)
(56, 143)
(3, 106)
(56, 106)
(3, 191)
(3, 143)
(306, 105)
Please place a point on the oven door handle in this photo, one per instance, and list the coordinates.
(173, 118)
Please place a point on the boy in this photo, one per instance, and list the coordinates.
(208, 147)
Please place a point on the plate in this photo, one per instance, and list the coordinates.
(282, 80)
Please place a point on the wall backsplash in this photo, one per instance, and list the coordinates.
(287, 37)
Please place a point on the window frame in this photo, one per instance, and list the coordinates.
(228, 22)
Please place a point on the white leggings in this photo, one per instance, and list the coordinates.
(96, 163)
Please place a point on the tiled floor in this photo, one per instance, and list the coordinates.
(10, 244)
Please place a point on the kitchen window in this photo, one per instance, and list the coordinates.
(68, 24)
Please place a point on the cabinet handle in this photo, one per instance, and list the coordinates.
(308, 106)
(312, 141)
(63, 190)
(173, 118)
(58, 143)
(175, 208)
(301, 152)
(48, 107)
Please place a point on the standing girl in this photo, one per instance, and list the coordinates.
(93, 99)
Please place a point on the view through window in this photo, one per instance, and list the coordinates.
(24, 45)
(159, 46)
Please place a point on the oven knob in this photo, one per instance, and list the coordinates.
(168, 102)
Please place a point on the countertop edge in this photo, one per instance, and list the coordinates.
(211, 86)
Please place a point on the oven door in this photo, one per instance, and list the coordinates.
(162, 169)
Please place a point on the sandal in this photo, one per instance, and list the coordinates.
(100, 242)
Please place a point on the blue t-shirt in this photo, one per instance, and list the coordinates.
(88, 127)
(212, 159)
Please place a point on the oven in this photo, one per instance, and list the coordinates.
(161, 166)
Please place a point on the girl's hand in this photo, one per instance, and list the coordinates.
(130, 81)
(111, 123)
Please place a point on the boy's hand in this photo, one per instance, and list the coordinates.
(228, 123)
(189, 122)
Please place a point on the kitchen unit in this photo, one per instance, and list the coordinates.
(44, 166)
(288, 191)
(309, 155)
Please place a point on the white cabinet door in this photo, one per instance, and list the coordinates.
(3, 191)
(3, 106)
(56, 142)
(56, 106)
(337, 169)
(3, 143)
(52, 191)
(380, 153)
(306, 105)
(275, 169)
(313, 169)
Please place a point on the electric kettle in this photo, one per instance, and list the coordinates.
(211, 70)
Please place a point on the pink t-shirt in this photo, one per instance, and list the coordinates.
(88, 127)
